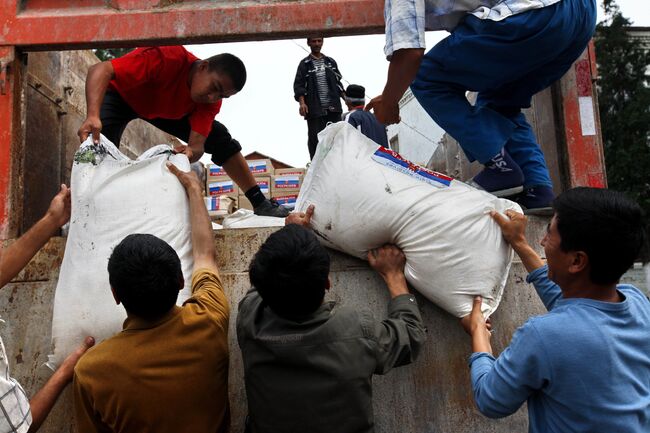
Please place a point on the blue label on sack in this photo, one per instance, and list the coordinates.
(389, 158)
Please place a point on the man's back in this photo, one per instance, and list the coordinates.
(369, 126)
(166, 375)
(315, 375)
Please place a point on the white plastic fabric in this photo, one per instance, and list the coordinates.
(112, 197)
(454, 250)
(244, 218)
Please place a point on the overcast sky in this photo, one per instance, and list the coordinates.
(264, 116)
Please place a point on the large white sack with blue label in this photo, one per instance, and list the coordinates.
(366, 196)
(112, 197)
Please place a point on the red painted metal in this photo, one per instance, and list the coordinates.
(41, 24)
(585, 163)
(8, 101)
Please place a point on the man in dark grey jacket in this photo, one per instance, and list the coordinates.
(308, 364)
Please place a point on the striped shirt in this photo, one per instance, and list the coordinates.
(321, 81)
(15, 414)
(407, 20)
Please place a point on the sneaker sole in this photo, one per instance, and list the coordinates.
(539, 211)
(502, 193)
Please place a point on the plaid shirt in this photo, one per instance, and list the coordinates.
(407, 20)
(15, 415)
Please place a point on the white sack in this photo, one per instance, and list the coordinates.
(244, 218)
(112, 197)
(454, 250)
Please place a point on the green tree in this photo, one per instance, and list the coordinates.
(111, 53)
(624, 101)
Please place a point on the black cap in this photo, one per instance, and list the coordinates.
(354, 91)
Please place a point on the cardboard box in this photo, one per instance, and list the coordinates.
(220, 205)
(222, 187)
(215, 172)
(283, 171)
(286, 183)
(260, 167)
(244, 203)
(264, 182)
(286, 200)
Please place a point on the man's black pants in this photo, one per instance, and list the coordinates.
(115, 115)
(316, 125)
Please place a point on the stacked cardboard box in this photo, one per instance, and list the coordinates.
(285, 186)
(282, 184)
(221, 192)
(264, 182)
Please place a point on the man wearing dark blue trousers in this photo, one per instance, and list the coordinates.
(506, 51)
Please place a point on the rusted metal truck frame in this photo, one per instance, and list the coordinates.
(433, 394)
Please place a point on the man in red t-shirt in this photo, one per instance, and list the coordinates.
(180, 94)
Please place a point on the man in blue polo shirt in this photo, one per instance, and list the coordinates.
(585, 365)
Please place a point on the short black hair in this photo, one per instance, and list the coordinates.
(606, 225)
(146, 274)
(230, 65)
(290, 272)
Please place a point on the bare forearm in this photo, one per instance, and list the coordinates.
(41, 404)
(528, 256)
(17, 255)
(396, 284)
(196, 142)
(99, 76)
(402, 70)
(202, 235)
(481, 341)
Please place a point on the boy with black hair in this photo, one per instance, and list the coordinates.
(167, 371)
(308, 364)
(175, 91)
(584, 366)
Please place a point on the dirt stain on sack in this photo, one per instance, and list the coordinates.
(328, 226)
(387, 189)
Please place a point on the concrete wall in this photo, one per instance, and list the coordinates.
(55, 107)
(432, 395)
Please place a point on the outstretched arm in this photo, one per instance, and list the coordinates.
(513, 227)
(99, 75)
(41, 404)
(301, 218)
(203, 251)
(402, 70)
(17, 255)
(400, 336)
(389, 262)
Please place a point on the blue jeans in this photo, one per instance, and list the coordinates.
(506, 62)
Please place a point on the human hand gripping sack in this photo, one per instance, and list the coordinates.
(92, 125)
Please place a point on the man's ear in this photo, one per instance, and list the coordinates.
(579, 262)
(328, 285)
(181, 283)
(117, 299)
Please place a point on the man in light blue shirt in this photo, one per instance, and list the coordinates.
(585, 365)
(506, 50)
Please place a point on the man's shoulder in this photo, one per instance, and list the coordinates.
(633, 293)
(100, 357)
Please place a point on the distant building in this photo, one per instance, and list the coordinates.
(276, 164)
(417, 135)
